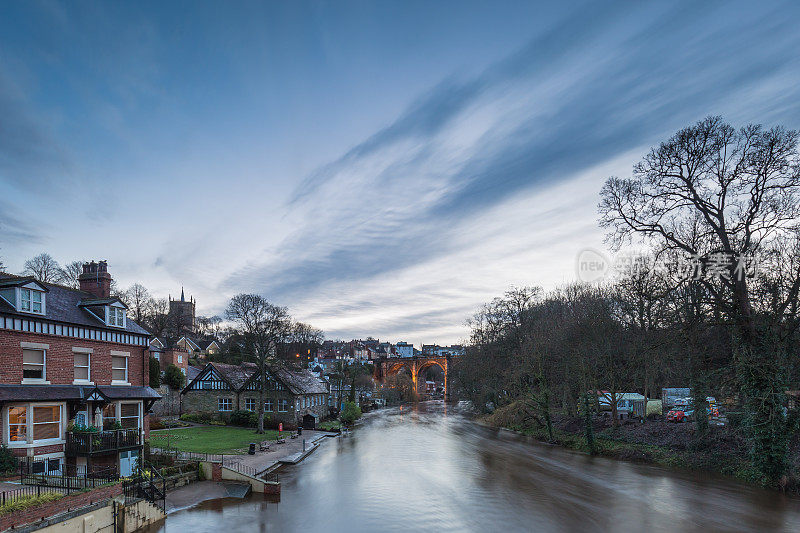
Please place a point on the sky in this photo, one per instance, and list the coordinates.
(381, 168)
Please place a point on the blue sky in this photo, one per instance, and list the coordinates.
(381, 168)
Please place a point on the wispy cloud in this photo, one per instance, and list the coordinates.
(601, 83)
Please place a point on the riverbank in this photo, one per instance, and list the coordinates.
(655, 442)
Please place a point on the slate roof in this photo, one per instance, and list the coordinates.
(297, 381)
(236, 375)
(300, 381)
(63, 304)
(192, 372)
(19, 393)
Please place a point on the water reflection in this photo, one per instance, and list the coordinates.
(427, 469)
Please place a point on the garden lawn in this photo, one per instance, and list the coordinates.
(209, 439)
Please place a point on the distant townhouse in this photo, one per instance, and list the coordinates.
(168, 352)
(294, 397)
(74, 380)
(404, 349)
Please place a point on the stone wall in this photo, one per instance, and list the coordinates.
(205, 401)
(169, 404)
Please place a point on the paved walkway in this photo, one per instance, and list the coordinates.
(289, 452)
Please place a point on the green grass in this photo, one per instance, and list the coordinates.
(209, 439)
(329, 424)
(24, 502)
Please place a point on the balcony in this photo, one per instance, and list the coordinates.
(99, 442)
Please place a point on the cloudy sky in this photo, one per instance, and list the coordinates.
(382, 168)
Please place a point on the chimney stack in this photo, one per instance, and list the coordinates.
(96, 279)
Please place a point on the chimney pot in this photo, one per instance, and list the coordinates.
(96, 279)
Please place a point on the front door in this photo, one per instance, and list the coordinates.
(128, 462)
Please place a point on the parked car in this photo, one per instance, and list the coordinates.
(678, 415)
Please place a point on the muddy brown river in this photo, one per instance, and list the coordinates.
(431, 469)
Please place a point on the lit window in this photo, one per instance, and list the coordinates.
(116, 317)
(224, 404)
(129, 415)
(250, 404)
(81, 366)
(268, 405)
(33, 364)
(18, 424)
(119, 368)
(46, 422)
(30, 301)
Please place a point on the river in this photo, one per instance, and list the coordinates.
(430, 469)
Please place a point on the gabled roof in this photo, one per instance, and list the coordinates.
(19, 281)
(64, 305)
(238, 376)
(299, 381)
(101, 301)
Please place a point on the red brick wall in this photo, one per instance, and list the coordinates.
(170, 357)
(67, 503)
(60, 358)
(38, 450)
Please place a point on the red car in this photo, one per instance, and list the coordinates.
(677, 415)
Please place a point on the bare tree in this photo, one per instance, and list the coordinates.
(138, 299)
(68, 274)
(264, 326)
(721, 195)
(43, 267)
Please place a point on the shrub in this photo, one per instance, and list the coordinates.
(155, 372)
(8, 462)
(24, 502)
(244, 418)
(203, 417)
(350, 413)
(174, 377)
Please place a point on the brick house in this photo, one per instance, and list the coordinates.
(74, 380)
(168, 352)
(289, 396)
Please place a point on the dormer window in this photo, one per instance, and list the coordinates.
(116, 317)
(31, 301)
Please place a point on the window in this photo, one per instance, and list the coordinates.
(46, 422)
(180, 359)
(119, 368)
(224, 404)
(157, 356)
(109, 415)
(129, 415)
(30, 301)
(116, 317)
(183, 371)
(283, 405)
(250, 404)
(33, 364)
(268, 405)
(81, 366)
(18, 424)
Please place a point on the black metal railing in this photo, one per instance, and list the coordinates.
(8, 497)
(146, 483)
(65, 477)
(88, 443)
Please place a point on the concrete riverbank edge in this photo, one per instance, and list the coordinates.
(676, 460)
(196, 493)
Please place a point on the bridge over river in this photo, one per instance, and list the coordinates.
(429, 468)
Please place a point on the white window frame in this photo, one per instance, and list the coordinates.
(180, 358)
(115, 316)
(138, 414)
(251, 402)
(268, 405)
(126, 355)
(88, 353)
(285, 403)
(30, 292)
(221, 402)
(29, 425)
(39, 347)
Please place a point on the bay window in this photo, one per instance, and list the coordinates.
(18, 424)
(129, 415)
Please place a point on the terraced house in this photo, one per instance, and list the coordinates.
(293, 397)
(74, 376)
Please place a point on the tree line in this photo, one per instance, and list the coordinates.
(712, 304)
